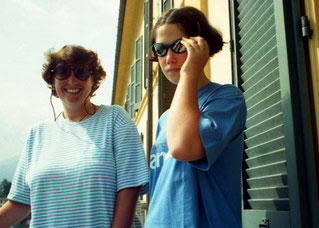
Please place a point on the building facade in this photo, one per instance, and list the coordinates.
(272, 55)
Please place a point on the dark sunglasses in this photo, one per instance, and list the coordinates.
(161, 50)
(63, 72)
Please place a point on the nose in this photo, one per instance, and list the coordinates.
(72, 77)
(170, 56)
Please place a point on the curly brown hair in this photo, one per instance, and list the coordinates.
(77, 55)
(192, 22)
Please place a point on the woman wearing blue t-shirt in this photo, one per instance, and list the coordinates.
(195, 166)
(86, 168)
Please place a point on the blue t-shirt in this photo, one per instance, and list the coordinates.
(70, 172)
(204, 193)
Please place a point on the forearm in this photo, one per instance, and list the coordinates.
(125, 207)
(12, 213)
(183, 135)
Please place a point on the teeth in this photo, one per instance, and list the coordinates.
(72, 90)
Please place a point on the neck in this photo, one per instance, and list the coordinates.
(76, 114)
(203, 80)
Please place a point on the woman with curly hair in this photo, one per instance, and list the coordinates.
(87, 167)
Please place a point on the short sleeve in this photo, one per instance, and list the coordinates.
(222, 120)
(129, 153)
(20, 191)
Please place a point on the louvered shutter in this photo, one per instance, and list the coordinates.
(132, 92)
(166, 88)
(146, 43)
(260, 70)
(166, 5)
(138, 73)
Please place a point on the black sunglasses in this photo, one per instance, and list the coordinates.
(63, 72)
(161, 50)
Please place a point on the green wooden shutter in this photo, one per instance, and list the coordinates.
(165, 87)
(138, 73)
(166, 5)
(146, 43)
(138, 86)
(167, 90)
(132, 91)
(127, 104)
(261, 71)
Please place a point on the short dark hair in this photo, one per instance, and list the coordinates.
(192, 22)
(73, 54)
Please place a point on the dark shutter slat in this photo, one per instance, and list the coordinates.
(269, 169)
(268, 29)
(265, 125)
(269, 193)
(257, 14)
(259, 22)
(266, 158)
(265, 147)
(265, 92)
(267, 57)
(257, 42)
(245, 7)
(260, 84)
(268, 181)
(264, 103)
(281, 204)
(267, 70)
(264, 114)
(265, 136)
(258, 53)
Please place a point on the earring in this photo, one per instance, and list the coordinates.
(53, 91)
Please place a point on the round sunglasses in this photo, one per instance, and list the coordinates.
(63, 72)
(161, 50)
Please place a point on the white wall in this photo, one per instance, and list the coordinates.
(220, 64)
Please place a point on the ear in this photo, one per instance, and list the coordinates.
(53, 91)
(93, 89)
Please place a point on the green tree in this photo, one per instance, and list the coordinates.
(5, 188)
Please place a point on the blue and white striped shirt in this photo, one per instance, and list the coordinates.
(70, 172)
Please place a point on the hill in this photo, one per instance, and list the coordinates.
(7, 168)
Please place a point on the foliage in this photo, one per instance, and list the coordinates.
(5, 188)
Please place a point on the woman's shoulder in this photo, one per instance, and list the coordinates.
(114, 109)
(117, 112)
(39, 127)
(42, 124)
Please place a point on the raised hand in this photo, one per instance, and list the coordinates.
(197, 56)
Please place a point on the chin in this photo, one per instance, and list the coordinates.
(174, 80)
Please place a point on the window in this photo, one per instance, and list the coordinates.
(166, 5)
(134, 89)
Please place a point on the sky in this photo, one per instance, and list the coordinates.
(28, 29)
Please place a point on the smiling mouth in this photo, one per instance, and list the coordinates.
(72, 90)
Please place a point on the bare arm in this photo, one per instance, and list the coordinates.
(13, 212)
(125, 207)
(183, 136)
